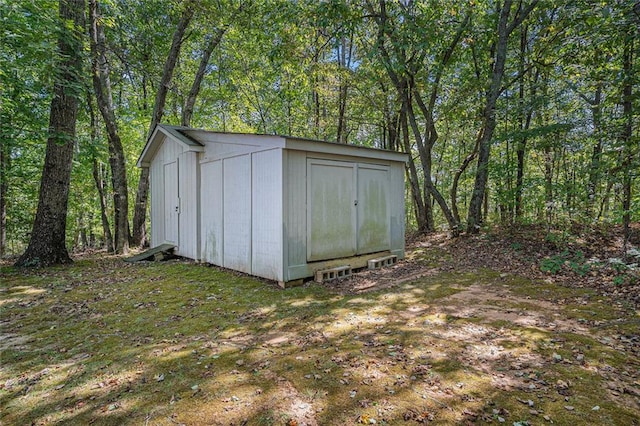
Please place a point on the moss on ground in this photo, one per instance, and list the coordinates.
(108, 343)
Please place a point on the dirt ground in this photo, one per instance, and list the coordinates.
(526, 327)
(519, 250)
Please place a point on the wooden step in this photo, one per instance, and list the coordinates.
(155, 253)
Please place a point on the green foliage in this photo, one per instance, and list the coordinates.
(552, 264)
(287, 68)
(574, 262)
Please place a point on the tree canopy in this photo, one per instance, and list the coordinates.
(513, 111)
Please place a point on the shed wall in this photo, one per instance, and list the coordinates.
(211, 223)
(266, 219)
(236, 196)
(241, 210)
(295, 221)
(396, 209)
(378, 187)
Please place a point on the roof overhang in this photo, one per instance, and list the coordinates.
(163, 132)
(310, 145)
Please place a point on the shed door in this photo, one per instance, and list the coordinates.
(373, 208)
(171, 203)
(331, 209)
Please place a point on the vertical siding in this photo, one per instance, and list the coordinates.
(156, 189)
(374, 203)
(171, 206)
(397, 208)
(266, 218)
(296, 210)
(237, 213)
(211, 212)
(188, 190)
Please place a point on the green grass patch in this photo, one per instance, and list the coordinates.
(104, 342)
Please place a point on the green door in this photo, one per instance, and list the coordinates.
(331, 209)
(373, 208)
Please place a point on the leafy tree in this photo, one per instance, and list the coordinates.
(47, 245)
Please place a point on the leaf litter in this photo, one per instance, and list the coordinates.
(444, 337)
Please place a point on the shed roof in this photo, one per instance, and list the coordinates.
(194, 140)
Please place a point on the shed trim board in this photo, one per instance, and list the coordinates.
(273, 206)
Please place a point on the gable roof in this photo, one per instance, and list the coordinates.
(194, 140)
(162, 131)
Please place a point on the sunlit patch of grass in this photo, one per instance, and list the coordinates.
(180, 342)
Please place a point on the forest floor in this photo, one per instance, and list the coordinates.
(523, 327)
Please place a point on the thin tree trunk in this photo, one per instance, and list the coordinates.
(47, 245)
(345, 64)
(102, 88)
(4, 187)
(627, 132)
(421, 211)
(456, 178)
(525, 123)
(99, 180)
(106, 229)
(596, 154)
(139, 237)
(474, 217)
(548, 183)
(214, 41)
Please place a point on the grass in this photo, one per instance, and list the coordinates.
(104, 342)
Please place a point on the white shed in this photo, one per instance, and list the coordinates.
(276, 207)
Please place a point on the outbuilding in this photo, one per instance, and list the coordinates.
(277, 207)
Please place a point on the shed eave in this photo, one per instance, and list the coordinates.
(309, 145)
(162, 132)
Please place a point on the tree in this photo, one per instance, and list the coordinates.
(505, 27)
(630, 147)
(47, 245)
(140, 212)
(408, 69)
(102, 88)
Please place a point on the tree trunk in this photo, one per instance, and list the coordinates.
(474, 217)
(456, 179)
(525, 124)
(421, 211)
(627, 132)
(99, 180)
(102, 88)
(139, 237)
(596, 154)
(214, 41)
(345, 64)
(548, 183)
(4, 187)
(47, 245)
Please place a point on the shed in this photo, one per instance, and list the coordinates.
(276, 207)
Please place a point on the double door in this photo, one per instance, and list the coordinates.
(347, 209)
